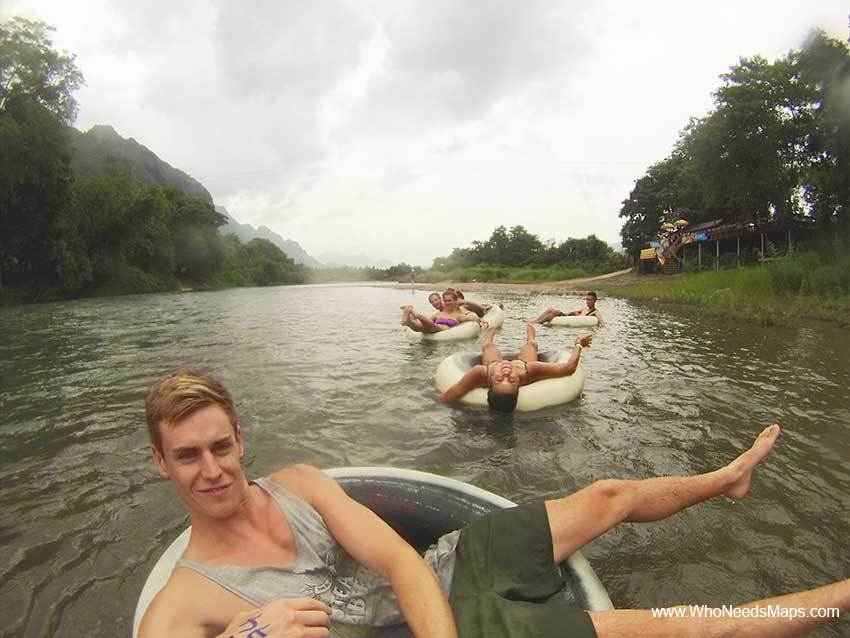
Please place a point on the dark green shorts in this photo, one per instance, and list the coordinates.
(504, 579)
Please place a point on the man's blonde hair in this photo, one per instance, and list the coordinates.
(178, 395)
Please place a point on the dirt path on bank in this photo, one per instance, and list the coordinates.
(565, 287)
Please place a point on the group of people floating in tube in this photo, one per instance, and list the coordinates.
(293, 554)
(502, 376)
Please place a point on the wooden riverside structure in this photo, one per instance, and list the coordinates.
(667, 255)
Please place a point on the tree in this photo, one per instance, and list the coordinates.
(35, 178)
(523, 247)
(824, 65)
(36, 104)
(654, 194)
(32, 70)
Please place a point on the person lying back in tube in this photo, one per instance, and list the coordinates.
(590, 310)
(503, 377)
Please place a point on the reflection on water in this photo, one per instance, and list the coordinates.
(324, 375)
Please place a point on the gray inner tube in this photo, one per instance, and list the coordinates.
(421, 512)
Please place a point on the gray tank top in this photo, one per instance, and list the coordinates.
(361, 599)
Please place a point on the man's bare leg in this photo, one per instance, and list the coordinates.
(579, 518)
(546, 316)
(629, 623)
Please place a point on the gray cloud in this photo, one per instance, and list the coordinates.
(468, 55)
(270, 49)
(364, 123)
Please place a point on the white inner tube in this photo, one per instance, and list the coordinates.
(408, 496)
(534, 396)
(466, 330)
(575, 321)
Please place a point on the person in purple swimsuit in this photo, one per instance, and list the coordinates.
(450, 316)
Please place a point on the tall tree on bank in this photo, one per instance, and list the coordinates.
(777, 144)
(825, 67)
(32, 70)
(36, 106)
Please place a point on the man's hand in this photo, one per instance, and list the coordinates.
(282, 618)
(584, 340)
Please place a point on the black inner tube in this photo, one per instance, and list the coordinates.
(422, 512)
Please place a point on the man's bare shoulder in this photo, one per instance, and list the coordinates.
(300, 479)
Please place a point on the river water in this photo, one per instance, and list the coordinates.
(324, 375)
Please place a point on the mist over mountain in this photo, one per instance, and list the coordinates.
(246, 232)
(329, 259)
(102, 144)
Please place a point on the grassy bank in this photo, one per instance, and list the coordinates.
(778, 294)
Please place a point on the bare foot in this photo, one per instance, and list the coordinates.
(744, 466)
(405, 314)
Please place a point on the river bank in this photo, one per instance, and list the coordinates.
(740, 295)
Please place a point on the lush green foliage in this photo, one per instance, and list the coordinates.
(107, 233)
(32, 71)
(514, 249)
(777, 144)
(503, 274)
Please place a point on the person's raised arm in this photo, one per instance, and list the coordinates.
(375, 545)
(474, 378)
(472, 306)
(540, 370)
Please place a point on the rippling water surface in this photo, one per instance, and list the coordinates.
(324, 375)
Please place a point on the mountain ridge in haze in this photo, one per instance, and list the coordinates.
(246, 232)
(95, 148)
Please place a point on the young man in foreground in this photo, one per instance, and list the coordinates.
(266, 558)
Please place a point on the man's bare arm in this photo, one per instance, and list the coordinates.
(173, 612)
(374, 544)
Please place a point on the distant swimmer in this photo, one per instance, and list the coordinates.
(450, 316)
(503, 378)
(589, 311)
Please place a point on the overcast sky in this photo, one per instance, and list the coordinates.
(401, 129)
